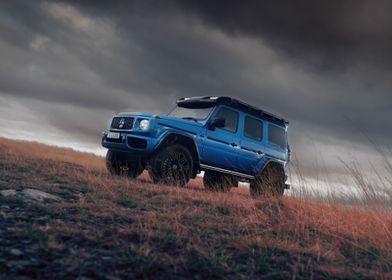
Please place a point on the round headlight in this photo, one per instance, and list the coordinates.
(144, 124)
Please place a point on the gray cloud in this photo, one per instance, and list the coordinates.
(344, 30)
(324, 66)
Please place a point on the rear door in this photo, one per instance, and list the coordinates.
(251, 143)
(222, 144)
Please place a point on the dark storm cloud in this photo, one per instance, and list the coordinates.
(328, 29)
(345, 30)
(324, 65)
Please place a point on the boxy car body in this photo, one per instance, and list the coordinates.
(223, 136)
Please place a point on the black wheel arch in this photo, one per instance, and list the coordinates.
(272, 163)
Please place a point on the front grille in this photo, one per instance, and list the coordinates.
(122, 123)
(137, 143)
(114, 140)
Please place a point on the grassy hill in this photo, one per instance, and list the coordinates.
(114, 228)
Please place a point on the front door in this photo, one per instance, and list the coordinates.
(222, 144)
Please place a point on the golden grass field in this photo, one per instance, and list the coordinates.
(115, 228)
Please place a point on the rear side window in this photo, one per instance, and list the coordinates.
(277, 136)
(231, 118)
(253, 128)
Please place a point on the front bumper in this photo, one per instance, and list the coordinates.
(130, 143)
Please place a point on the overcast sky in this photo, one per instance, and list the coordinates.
(67, 66)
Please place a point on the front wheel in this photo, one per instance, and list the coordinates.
(119, 165)
(173, 165)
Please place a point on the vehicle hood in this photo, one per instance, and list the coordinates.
(164, 120)
(135, 114)
(179, 122)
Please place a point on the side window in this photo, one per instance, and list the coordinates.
(231, 118)
(277, 136)
(253, 128)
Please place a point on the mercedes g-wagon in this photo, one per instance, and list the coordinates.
(229, 140)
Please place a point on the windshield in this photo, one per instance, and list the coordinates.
(190, 113)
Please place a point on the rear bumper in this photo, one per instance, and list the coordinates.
(130, 143)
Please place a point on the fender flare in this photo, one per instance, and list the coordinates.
(266, 161)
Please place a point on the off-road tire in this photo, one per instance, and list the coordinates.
(172, 165)
(218, 182)
(118, 165)
(269, 182)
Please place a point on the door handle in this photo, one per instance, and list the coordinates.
(233, 144)
(260, 152)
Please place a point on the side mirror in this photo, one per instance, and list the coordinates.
(217, 122)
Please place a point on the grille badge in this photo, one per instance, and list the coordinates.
(121, 124)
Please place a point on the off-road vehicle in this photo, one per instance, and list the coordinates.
(229, 140)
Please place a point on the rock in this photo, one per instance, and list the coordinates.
(16, 252)
(7, 193)
(5, 207)
(39, 195)
(30, 195)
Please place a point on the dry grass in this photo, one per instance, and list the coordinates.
(114, 228)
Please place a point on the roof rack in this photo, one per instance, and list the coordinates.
(210, 100)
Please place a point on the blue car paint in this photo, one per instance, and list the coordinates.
(216, 148)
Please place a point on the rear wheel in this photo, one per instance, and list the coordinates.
(118, 164)
(269, 182)
(218, 182)
(173, 165)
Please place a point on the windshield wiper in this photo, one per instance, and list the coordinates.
(190, 118)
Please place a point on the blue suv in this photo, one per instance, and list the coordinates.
(229, 140)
